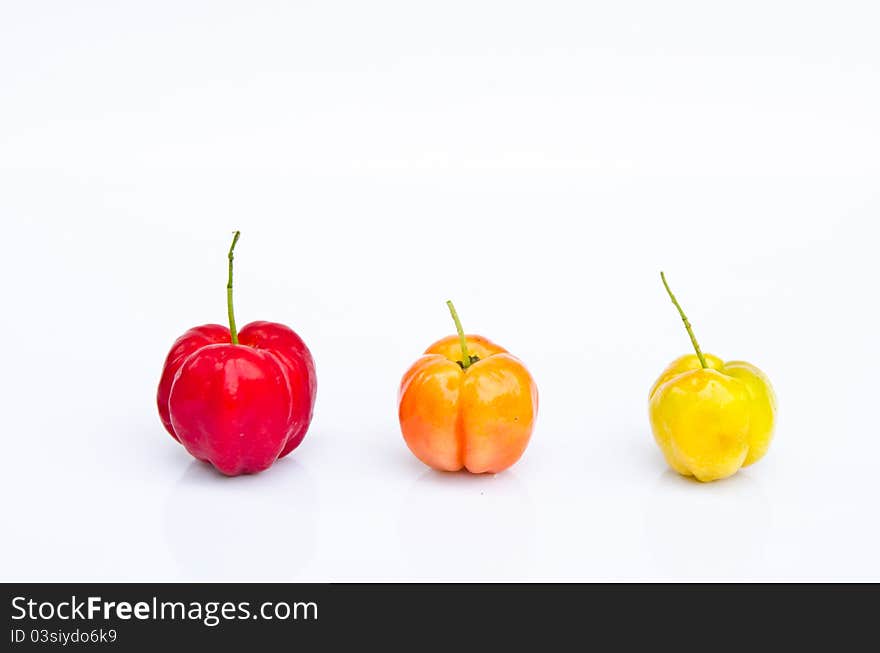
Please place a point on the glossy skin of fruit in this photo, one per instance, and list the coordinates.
(222, 401)
(711, 422)
(477, 417)
(238, 400)
(710, 418)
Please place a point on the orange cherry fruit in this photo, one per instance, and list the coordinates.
(467, 404)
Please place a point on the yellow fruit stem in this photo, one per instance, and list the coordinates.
(687, 325)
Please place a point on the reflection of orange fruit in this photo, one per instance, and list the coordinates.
(477, 416)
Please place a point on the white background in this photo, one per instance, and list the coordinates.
(539, 163)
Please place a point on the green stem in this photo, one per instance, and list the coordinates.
(465, 357)
(232, 330)
(687, 325)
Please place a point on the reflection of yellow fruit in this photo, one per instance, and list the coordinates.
(710, 422)
(709, 417)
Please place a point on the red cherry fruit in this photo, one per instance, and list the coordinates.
(238, 400)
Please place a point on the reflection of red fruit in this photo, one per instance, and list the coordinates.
(239, 400)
